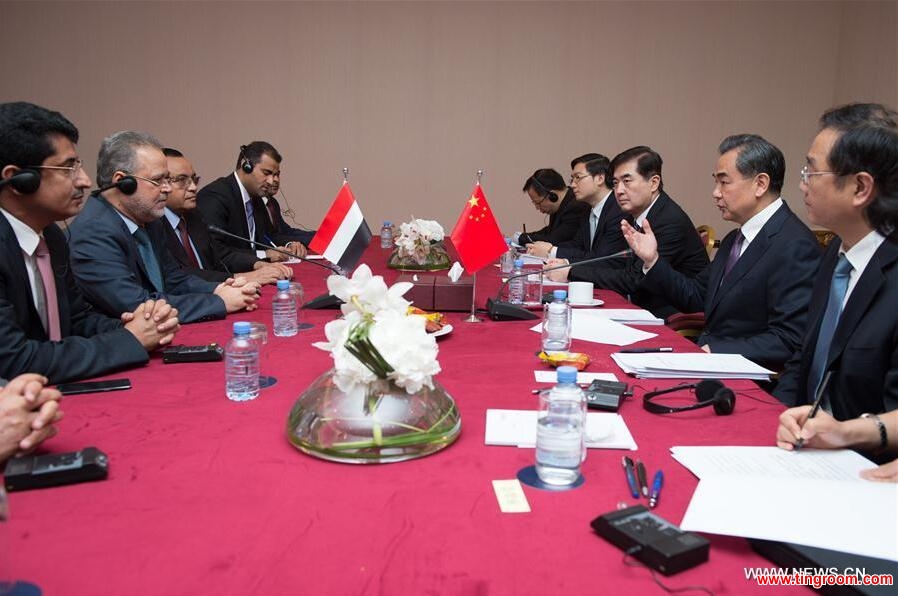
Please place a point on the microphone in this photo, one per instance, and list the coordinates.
(216, 230)
(505, 311)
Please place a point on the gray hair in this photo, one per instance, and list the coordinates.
(117, 153)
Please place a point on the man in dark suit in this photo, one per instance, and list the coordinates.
(281, 227)
(119, 256)
(755, 292)
(187, 236)
(46, 324)
(639, 190)
(234, 204)
(850, 185)
(600, 232)
(549, 194)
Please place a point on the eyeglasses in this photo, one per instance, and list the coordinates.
(540, 201)
(806, 174)
(184, 180)
(576, 178)
(157, 181)
(72, 169)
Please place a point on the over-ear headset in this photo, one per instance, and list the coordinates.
(245, 164)
(545, 192)
(25, 181)
(127, 185)
(707, 393)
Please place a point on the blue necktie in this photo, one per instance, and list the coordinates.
(837, 291)
(145, 248)
(250, 220)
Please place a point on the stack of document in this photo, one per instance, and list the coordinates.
(666, 365)
(629, 316)
(810, 497)
(517, 428)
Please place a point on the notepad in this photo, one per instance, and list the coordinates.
(517, 428)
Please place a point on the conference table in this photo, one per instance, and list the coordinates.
(207, 496)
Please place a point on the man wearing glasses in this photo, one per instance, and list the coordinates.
(186, 235)
(234, 204)
(849, 356)
(119, 256)
(46, 324)
(600, 233)
(550, 195)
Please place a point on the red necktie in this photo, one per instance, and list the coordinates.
(272, 212)
(45, 268)
(185, 240)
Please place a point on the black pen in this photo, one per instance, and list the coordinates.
(816, 407)
(645, 350)
(643, 482)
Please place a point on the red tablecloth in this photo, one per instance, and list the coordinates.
(206, 496)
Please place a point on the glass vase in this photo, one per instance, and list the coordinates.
(436, 259)
(380, 423)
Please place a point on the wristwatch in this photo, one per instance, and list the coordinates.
(883, 435)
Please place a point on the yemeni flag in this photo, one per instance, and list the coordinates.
(343, 235)
(476, 236)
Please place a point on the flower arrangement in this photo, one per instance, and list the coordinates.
(377, 338)
(419, 246)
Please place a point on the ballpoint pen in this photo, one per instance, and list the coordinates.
(656, 489)
(816, 407)
(627, 463)
(645, 350)
(643, 482)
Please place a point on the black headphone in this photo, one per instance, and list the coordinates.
(245, 164)
(25, 181)
(127, 185)
(547, 194)
(707, 393)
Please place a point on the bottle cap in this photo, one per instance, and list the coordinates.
(242, 328)
(283, 285)
(519, 262)
(566, 374)
(559, 294)
(387, 223)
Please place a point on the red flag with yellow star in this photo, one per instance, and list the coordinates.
(476, 235)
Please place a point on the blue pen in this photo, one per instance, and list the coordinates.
(627, 463)
(656, 489)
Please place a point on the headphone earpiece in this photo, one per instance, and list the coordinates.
(127, 185)
(707, 393)
(245, 164)
(25, 181)
(552, 197)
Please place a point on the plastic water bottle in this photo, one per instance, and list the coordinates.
(242, 365)
(506, 263)
(516, 285)
(284, 311)
(560, 448)
(557, 323)
(386, 235)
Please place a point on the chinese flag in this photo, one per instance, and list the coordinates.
(476, 236)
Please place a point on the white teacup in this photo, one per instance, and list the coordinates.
(580, 292)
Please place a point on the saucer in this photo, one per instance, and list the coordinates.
(593, 302)
(446, 330)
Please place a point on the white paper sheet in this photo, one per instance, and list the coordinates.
(629, 316)
(854, 517)
(550, 376)
(772, 462)
(518, 428)
(668, 365)
(586, 326)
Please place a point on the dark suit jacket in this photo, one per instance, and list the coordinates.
(563, 224)
(678, 243)
(607, 241)
(212, 269)
(760, 309)
(283, 229)
(110, 272)
(221, 204)
(864, 351)
(92, 344)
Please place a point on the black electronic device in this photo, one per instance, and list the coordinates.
(127, 185)
(94, 386)
(708, 393)
(176, 354)
(605, 395)
(42, 471)
(651, 539)
(245, 164)
(25, 181)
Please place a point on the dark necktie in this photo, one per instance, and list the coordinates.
(837, 291)
(150, 263)
(49, 311)
(250, 220)
(735, 253)
(593, 226)
(185, 241)
(272, 212)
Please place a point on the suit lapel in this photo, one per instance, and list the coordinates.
(23, 292)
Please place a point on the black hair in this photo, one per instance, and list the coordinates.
(169, 152)
(757, 156)
(595, 164)
(545, 180)
(25, 131)
(859, 114)
(648, 162)
(254, 151)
